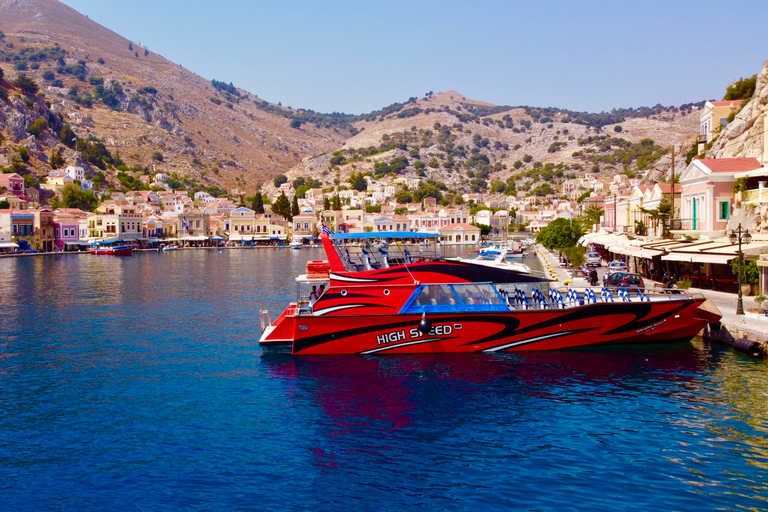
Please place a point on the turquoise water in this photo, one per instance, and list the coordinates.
(138, 383)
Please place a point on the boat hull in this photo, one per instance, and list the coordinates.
(519, 330)
(113, 251)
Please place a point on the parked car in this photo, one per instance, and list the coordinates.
(628, 280)
(616, 266)
(593, 259)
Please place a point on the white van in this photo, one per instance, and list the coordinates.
(593, 259)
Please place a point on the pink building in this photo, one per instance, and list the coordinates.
(707, 194)
(14, 183)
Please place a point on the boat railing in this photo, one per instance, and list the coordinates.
(266, 318)
(368, 256)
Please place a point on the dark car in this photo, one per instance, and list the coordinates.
(628, 280)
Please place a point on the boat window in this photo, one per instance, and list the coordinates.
(443, 298)
(478, 294)
(435, 295)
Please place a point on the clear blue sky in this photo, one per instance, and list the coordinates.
(359, 56)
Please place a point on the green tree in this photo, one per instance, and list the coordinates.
(742, 89)
(279, 180)
(282, 207)
(73, 197)
(592, 216)
(56, 161)
(258, 203)
(27, 85)
(5, 205)
(559, 234)
(358, 182)
(335, 203)
(295, 205)
(326, 203)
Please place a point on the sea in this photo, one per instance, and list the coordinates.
(137, 383)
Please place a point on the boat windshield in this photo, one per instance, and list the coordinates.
(448, 298)
(368, 251)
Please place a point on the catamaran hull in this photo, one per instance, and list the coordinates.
(117, 251)
(522, 330)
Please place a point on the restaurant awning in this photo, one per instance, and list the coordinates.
(8, 245)
(721, 259)
(679, 256)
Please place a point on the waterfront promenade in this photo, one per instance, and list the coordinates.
(739, 326)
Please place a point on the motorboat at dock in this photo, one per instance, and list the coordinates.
(384, 293)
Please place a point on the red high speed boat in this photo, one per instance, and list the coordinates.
(383, 293)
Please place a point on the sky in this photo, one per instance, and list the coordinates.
(360, 56)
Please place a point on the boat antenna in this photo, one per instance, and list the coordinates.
(405, 264)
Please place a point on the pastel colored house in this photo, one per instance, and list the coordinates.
(460, 234)
(707, 194)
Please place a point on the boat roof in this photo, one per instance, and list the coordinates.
(382, 234)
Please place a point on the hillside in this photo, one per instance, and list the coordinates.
(132, 110)
(237, 142)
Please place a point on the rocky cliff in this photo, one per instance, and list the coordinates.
(745, 136)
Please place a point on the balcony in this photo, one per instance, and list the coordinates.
(755, 196)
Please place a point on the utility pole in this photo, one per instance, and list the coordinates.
(672, 193)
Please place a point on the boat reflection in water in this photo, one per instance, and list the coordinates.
(522, 425)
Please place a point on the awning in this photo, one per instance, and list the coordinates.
(8, 245)
(647, 253)
(721, 259)
(639, 252)
(679, 256)
(78, 242)
(193, 238)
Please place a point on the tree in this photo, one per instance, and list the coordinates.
(592, 215)
(358, 182)
(559, 234)
(5, 205)
(56, 161)
(326, 203)
(336, 203)
(279, 180)
(295, 205)
(258, 203)
(282, 207)
(27, 85)
(73, 197)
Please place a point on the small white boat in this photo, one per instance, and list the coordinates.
(296, 243)
(497, 259)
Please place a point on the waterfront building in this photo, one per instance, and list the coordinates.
(305, 224)
(707, 194)
(15, 185)
(461, 233)
(115, 221)
(20, 224)
(67, 232)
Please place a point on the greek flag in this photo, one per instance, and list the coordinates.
(326, 230)
(186, 224)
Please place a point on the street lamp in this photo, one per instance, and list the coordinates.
(740, 235)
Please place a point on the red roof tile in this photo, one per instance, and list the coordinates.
(731, 164)
(726, 103)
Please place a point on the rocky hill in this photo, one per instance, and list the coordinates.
(744, 137)
(105, 102)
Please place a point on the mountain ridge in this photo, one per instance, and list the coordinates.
(231, 139)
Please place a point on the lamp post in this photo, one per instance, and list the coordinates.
(740, 235)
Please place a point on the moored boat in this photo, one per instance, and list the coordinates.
(111, 248)
(381, 299)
